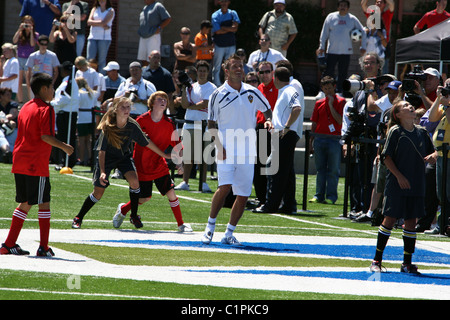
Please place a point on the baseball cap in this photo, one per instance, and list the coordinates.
(112, 65)
(394, 85)
(135, 64)
(433, 72)
(279, 1)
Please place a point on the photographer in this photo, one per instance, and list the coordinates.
(137, 89)
(423, 93)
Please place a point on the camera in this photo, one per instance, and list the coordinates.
(445, 91)
(417, 74)
(133, 95)
(353, 86)
(56, 23)
(184, 79)
(26, 25)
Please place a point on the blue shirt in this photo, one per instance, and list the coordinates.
(226, 19)
(43, 16)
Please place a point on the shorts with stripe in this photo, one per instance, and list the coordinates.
(32, 189)
(164, 184)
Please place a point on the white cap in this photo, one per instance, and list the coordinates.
(433, 72)
(280, 1)
(112, 65)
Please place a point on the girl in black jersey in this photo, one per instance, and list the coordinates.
(118, 131)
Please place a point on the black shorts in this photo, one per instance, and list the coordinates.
(32, 189)
(404, 207)
(124, 165)
(164, 184)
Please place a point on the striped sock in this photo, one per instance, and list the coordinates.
(409, 245)
(134, 201)
(18, 219)
(383, 237)
(175, 206)
(211, 226)
(44, 227)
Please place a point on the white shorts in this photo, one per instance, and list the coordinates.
(147, 45)
(236, 174)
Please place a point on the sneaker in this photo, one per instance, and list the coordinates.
(17, 250)
(207, 237)
(117, 175)
(409, 268)
(377, 267)
(136, 221)
(41, 252)
(118, 217)
(182, 186)
(76, 224)
(231, 240)
(205, 188)
(315, 200)
(355, 215)
(185, 227)
(362, 218)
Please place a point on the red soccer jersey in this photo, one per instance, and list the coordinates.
(323, 117)
(432, 18)
(149, 165)
(31, 154)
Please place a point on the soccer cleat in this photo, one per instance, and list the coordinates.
(118, 217)
(182, 186)
(136, 220)
(17, 250)
(231, 240)
(185, 227)
(41, 252)
(76, 224)
(207, 237)
(409, 268)
(377, 267)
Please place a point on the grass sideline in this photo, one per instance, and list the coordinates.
(68, 194)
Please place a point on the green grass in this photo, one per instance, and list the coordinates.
(68, 194)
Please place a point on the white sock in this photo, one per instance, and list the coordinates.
(369, 213)
(211, 226)
(230, 229)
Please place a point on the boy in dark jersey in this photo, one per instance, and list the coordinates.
(118, 131)
(150, 166)
(35, 138)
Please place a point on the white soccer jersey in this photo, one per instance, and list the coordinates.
(235, 114)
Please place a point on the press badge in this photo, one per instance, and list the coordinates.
(440, 135)
(331, 127)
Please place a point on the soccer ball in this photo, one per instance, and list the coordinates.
(356, 35)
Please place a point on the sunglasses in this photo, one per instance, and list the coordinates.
(265, 71)
(251, 81)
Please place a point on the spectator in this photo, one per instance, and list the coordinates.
(225, 24)
(150, 166)
(64, 40)
(268, 89)
(25, 38)
(30, 165)
(265, 53)
(235, 165)
(427, 89)
(43, 13)
(137, 89)
(252, 79)
(86, 72)
(9, 69)
(152, 19)
(433, 17)
(279, 26)
(78, 21)
(42, 60)
(88, 99)
(336, 42)
(195, 100)
(241, 54)
(202, 42)
(66, 105)
(376, 41)
(280, 196)
(183, 50)
(10, 110)
(327, 119)
(113, 79)
(100, 20)
(160, 77)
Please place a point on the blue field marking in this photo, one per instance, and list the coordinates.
(391, 253)
(426, 279)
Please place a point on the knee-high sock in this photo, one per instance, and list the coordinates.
(44, 227)
(87, 205)
(409, 245)
(18, 219)
(383, 237)
(134, 201)
(175, 206)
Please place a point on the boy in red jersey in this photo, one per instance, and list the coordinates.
(150, 166)
(35, 138)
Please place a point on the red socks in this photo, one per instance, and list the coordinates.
(174, 205)
(18, 219)
(44, 227)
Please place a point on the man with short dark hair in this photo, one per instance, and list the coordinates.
(433, 17)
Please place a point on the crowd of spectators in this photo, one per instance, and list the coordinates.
(199, 70)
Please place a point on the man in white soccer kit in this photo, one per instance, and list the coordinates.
(231, 121)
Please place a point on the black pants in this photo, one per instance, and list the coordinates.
(281, 185)
(260, 180)
(62, 124)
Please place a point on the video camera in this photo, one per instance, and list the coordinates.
(417, 74)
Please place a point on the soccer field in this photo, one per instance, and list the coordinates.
(314, 254)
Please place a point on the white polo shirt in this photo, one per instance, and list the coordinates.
(288, 98)
(198, 93)
(235, 114)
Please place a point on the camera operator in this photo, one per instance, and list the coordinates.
(357, 122)
(426, 89)
(137, 89)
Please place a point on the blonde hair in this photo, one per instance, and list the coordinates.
(82, 83)
(108, 124)
(10, 46)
